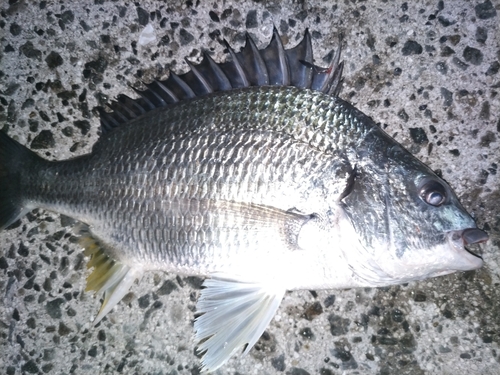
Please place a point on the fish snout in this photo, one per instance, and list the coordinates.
(474, 236)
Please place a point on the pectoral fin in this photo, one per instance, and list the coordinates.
(235, 314)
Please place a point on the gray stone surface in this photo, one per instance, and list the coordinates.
(428, 71)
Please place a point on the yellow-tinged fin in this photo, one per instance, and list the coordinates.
(108, 275)
(235, 314)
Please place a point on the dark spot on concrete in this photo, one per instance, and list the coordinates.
(338, 325)
(313, 310)
(473, 55)
(442, 67)
(68, 131)
(307, 333)
(397, 315)
(481, 34)
(487, 339)
(411, 47)
(71, 312)
(185, 37)
(444, 349)
(391, 40)
(44, 140)
(484, 114)
(493, 68)
(83, 125)
(459, 63)
(455, 152)
(420, 297)
(44, 116)
(194, 281)
(403, 115)
(99, 65)
(49, 354)
(487, 139)
(15, 29)
(408, 342)
(54, 60)
(28, 50)
(297, 371)
(213, 16)
(54, 308)
(143, 16)
(316, 35)
(144, 301)
(445, 22)
(3, 263)
(92, 351)
(30, 367)
(465, 356)
(266, 343)
(168, 287)
(454, 39)
(418, 135)
(67, 17)
(84, 26)
(101, 335)
(448, 314)
(386, 340)
(63, 329)
(284, 27)
(301, 16)
(29, 284)
(485, 10)
(447, 51)
(47, 284)
(279, 362)
(330, 300)
(447, 96)
(251, 20)
(23, 250)
(348, 362)
(122, 11)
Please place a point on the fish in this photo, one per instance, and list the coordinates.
(255, 175)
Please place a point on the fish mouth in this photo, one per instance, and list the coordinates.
(466, 243)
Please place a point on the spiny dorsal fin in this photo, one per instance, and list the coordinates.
(272, 65)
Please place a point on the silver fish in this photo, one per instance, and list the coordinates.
(254, 174)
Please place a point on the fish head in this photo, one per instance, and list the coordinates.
(409, 223)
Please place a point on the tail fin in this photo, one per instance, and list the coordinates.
(14, 157)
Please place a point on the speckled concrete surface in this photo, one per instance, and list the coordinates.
(428, 71)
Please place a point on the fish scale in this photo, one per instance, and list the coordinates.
(260, 189)
(100, 185)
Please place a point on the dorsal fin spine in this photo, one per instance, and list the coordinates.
(235, 61)
(272, 65)
(170, 96)
(208, 88)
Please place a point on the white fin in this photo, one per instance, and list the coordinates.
(108, 276)
(234, 314)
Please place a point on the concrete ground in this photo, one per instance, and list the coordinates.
(428, 71)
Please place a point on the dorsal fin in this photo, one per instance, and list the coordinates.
(272, 65)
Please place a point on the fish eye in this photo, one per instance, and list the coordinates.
(433, 192)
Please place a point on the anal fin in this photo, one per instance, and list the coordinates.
(108, 275)
(235, 314)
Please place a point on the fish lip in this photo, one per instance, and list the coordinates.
(470, 259)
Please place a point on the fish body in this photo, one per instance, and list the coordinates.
(260, 187)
